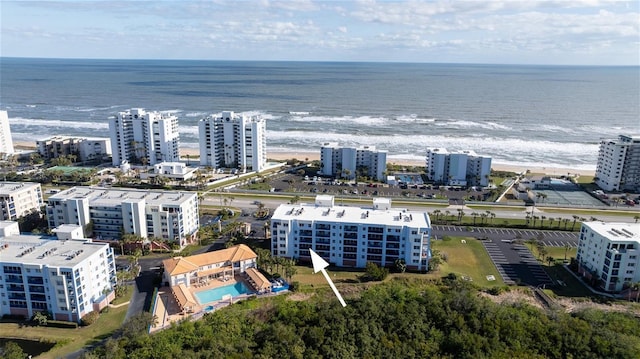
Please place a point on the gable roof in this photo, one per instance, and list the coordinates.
(181, 265)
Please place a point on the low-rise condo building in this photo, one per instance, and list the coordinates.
(349, 162)
(184, 274)
(609, 254)
(66, 278)
(6, 142)
(231, 140)
(146, 138)
(84, 148)
(351, 236)
(110, 213)
(618, 166)
(464, 168)
(18, 199)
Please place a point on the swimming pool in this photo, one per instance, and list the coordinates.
(216, 294)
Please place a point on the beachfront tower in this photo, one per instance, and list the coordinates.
(350, 236)
(464, 168)
(146, 138)
(230, 140)
(618, 166)
(349, 162)
(6, 143)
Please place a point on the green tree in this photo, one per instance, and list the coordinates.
(11, 350)
(400, 265)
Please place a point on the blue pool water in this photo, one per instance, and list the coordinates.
(216, 294)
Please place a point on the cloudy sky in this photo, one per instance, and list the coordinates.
(588, 32)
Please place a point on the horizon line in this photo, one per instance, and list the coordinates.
(315, 61)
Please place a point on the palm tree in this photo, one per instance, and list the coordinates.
(636, 217)
(460, 216)
(542, 218)
(551, 219)
(575, 219)
(550, 260)
(535, 218)
(566, 222)
(566, 249)
(475, 215)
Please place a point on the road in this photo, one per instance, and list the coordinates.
(246, 203)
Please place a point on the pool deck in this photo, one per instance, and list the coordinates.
(168, 311)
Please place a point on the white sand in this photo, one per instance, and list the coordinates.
(312, 156)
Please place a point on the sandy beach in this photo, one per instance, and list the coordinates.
(311, 156)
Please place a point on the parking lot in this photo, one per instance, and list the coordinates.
(548, 238)
(516, 264)
(295, 183)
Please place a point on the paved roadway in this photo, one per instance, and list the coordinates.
(246, 202)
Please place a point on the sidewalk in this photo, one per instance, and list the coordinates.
(118, 305)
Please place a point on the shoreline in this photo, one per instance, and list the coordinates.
(314, 156)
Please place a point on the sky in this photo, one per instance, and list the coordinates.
(589, 32)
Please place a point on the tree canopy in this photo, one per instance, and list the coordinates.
(396, 319)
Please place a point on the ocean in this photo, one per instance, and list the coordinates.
(524, 115)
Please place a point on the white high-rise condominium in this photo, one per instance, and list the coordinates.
(464, 168)
(609, 254)
(350, 236)
(18, 199)
(110, 213)
(65, 278)
(349, 162)
(142, 137)
(619, 164)
(6, 142)
(232, 140)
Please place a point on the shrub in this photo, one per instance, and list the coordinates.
(62, 324)
(90, 318)
(294, 286)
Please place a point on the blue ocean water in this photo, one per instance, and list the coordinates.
(526, 115)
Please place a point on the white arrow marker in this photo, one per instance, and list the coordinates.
(320, 264)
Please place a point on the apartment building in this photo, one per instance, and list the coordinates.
(6, 142)
(464, 168)
(18, 199)
(84, 148)
(146, 138)
(67, 278)
(349, 162)
(231, 140)
(109, 213)
(609, 254)
(618, 166)
(351, 236)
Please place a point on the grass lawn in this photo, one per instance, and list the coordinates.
(307, 278)
(69, 340)
(572, 288)
(467, 259)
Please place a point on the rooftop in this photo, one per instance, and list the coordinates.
(180, 265)
(344, 214)
(44, 250)
(616, 231)
(10, 187)
(112, 197)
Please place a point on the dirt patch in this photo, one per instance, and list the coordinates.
(298, 297)
(571, 306)
(513, 297)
